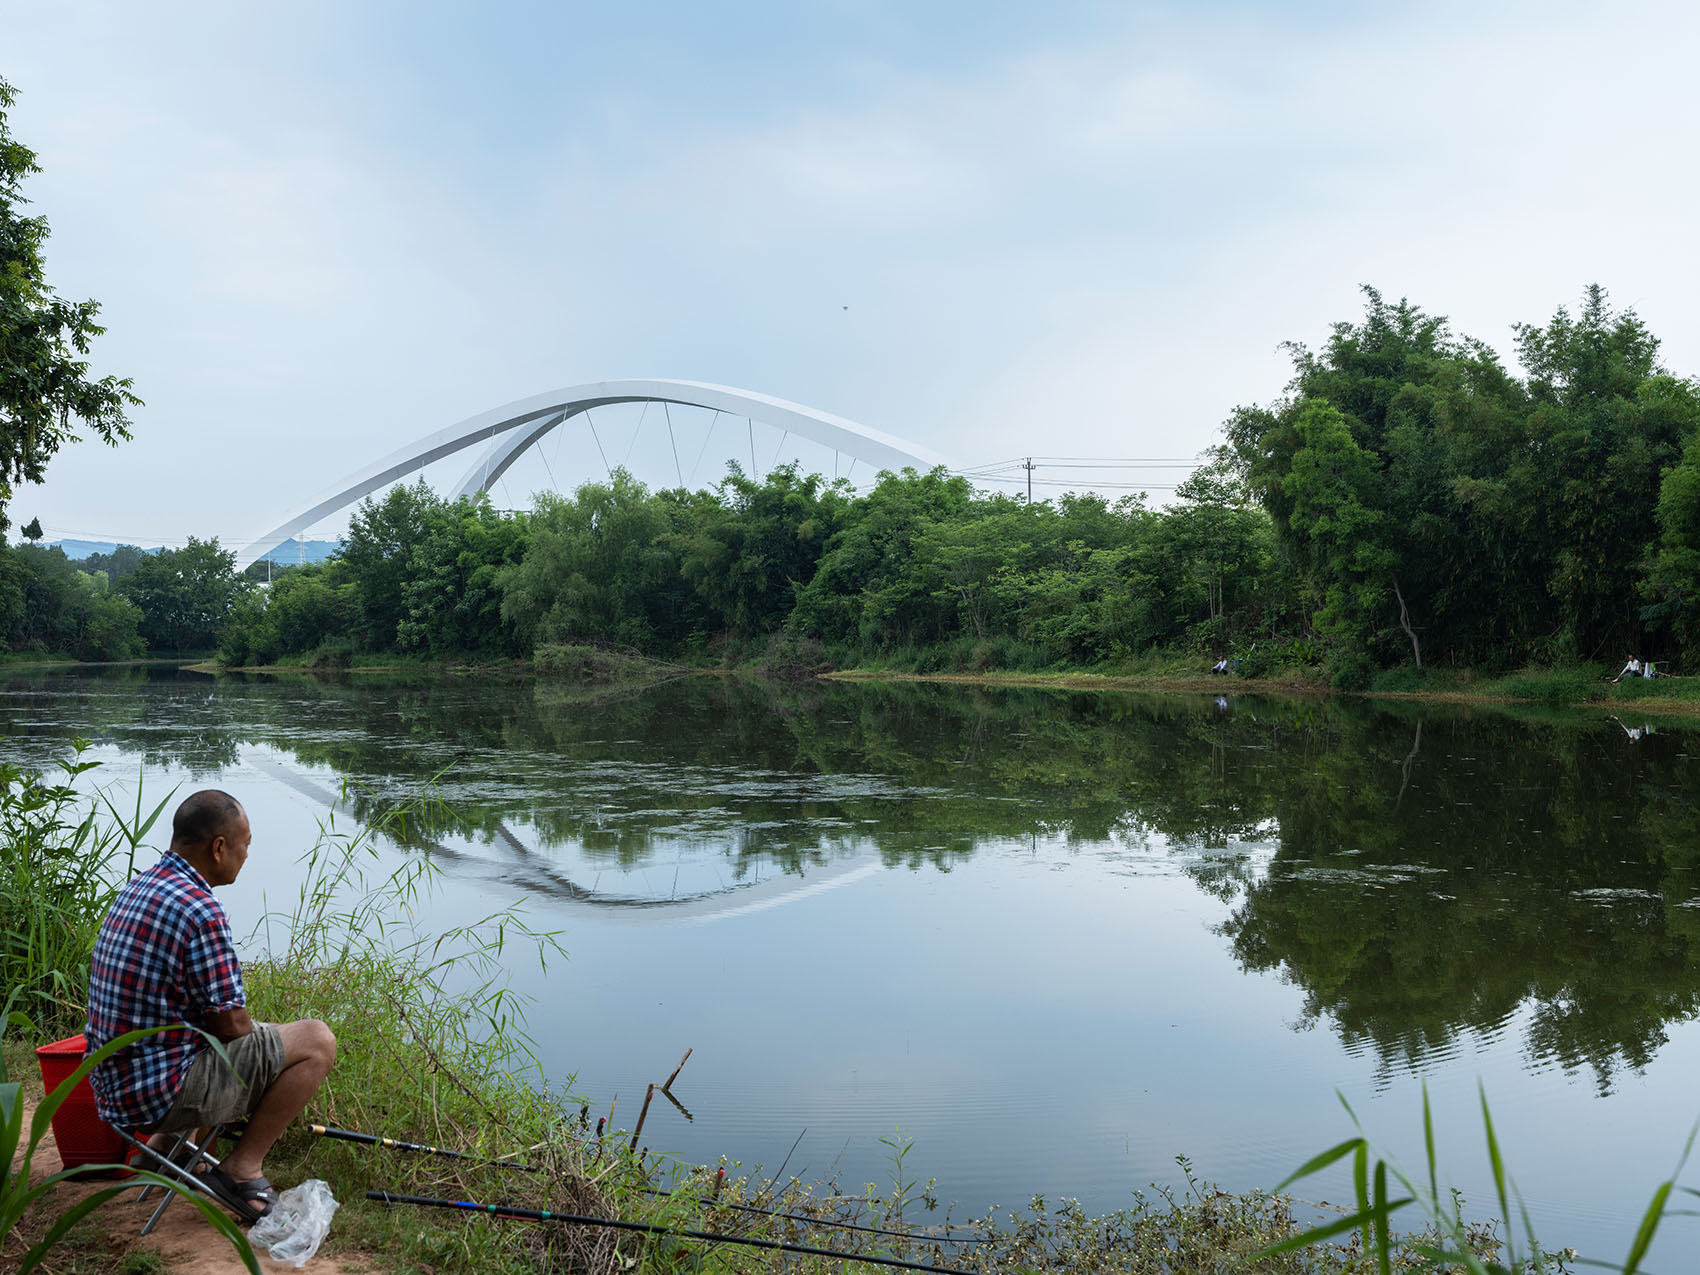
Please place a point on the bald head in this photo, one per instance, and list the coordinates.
(210, 831)
(203, 816)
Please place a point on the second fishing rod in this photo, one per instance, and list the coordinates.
(396, 1144)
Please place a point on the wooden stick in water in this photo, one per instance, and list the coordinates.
(667, 1088)
(635, 1132)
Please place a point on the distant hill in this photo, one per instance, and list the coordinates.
(77, 550)
(288, 553)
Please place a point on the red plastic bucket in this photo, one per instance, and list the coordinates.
(83, 1137)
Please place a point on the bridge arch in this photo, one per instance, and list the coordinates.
(510, 430)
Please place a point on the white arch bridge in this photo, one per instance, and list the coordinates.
(511, 430)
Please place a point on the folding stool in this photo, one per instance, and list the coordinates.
(174, 1164)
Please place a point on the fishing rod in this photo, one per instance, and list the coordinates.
(395, 1144)
(546, 1215)
(820, 1221)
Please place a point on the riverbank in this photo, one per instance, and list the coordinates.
(1199, 1228)
(1585, 688)
(432, 1050)
(1294, 683)
(423, 1088)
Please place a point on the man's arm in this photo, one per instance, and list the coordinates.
(212, 978)
(229, 1024)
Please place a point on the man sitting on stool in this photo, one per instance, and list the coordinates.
(164, 957)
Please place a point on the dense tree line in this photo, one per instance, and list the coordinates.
(1409, 499)
(921, 565)
(48, 605)
(117, 606)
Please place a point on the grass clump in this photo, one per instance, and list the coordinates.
(601, 666)
(431, 1049)
(1575, 685)
(1448, 1242)
(1659, 688)
(1202, 1229)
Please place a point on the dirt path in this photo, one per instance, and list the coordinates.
(183, 1237)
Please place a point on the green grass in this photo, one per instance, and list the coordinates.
(1575, 685)
(1552, 686)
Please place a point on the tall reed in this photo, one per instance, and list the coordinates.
(1383, 1189)
(61, 862)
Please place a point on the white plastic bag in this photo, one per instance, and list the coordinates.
(297, 1224)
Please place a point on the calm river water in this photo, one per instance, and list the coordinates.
(1055, 939)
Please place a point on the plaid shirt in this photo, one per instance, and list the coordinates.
(164, 955)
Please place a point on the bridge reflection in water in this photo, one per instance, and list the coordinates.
(541, 873)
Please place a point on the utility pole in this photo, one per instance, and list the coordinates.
(1029, 467)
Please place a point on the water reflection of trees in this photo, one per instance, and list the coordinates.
(1546, 866)
(1434, 871)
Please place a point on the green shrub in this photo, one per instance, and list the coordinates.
(1253, 663)
(594, 665)
(1351, 671)
(333, 655)
(1404, 678)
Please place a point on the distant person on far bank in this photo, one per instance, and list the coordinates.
(1631, 669)
(165, 958)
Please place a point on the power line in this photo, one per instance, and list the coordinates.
(1124, 460)
(69, 533)
(1023, 465)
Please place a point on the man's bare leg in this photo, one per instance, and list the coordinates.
(309, 1049)
(162, 1142)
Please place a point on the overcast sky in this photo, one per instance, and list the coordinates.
(321, 230)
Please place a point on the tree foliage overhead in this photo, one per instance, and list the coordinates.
(44, 340)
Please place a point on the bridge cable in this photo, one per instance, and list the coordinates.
(588, 421)
(548, 470)
(635, 433)
(665, 411)
(755, 471)
(777, 450)
(711, 423)
(484, 478)
(560, 436)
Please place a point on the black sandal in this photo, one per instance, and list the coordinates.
(241, 1197)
